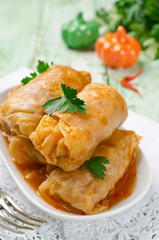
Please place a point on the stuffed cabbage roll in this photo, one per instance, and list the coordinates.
(68, 140)
(23, 152)
(21, 112)
(81, 188)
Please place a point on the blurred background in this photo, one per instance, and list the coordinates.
(31, 30)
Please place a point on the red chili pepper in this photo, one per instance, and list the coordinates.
(126, 84)
(129, 78)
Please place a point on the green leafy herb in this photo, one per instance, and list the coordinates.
(28, 79)
(68, 101)
(153, 236)
(42, 67)
(96, 165)
(139, 17)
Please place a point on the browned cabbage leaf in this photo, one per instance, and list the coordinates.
(68, 140)
(81, 188)
(21, 112)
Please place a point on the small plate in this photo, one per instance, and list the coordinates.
(142, 186)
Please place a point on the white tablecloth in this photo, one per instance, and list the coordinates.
(139, 223)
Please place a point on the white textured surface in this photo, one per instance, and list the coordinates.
(140, 222)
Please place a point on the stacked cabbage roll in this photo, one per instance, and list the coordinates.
(81, 188)
(22, 110)
(67, 140)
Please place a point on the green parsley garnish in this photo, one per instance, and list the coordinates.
(95, 164)
(41, 67)
(28, 79)
(68, 101)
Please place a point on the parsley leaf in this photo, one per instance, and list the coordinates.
(68, 101)
(42, 67)
(28, 79)
(95, 164)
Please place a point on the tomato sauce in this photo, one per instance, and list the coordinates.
(35, 174)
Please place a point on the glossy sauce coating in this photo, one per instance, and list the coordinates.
(35, 174)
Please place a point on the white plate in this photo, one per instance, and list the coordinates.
(142, 186)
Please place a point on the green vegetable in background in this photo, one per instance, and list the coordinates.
(68, 101)
(79, 33)
(139, 17)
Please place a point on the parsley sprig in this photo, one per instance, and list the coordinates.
(41, 67)
(28, 79)
(68, 101)
(96, 165)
